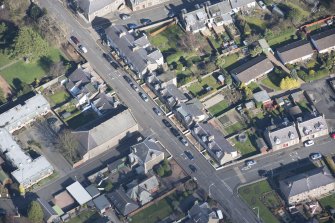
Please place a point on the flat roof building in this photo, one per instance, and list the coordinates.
(79, 193)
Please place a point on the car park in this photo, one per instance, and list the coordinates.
(82, 48)
(184, 141)
(189, 154)
(308, 143)
(192, 168)
(74, 40)
(166, 123)
(250, 162)
(315, 156)
(133, 86)
(175, 132)
(144, 96)
(125, 16)
(157, 111)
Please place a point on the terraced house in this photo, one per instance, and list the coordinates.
(295, 52)
(324, 42)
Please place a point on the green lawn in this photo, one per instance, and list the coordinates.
(282, 37)
(153, 213)
(197, 88)
(260, 23)
(167, 39)
(273, 80)
(230, 59)
(85, 217)
(234, 128)
(4, 60)
(251, 194)
(328, 202)
(81, 119)
(218, 108)
(303, 12)
(247, 148)
(253, 86)
(59, 97)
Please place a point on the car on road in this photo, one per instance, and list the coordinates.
(144, 96)
(192, 168)
(315, 156)
(189, 154)
(132, 26)
(133, 86)
(74, 40)
(332, 135)
(157, 111)
(184, 141)
(250, 162)
(308, 143)
(125, 16)
(127, 79)
(171, 14)
(175, 132)
(166, 123)
(115, 65)
(82, 48)
(146, 21)
(108, 57)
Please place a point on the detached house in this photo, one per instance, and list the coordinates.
(295, 52)
(99, 8)
(135, 49)
(214, 143)
(143, 192)
(202, 213)
(312, 126)
(195, 21)
(281, 136)
(252, 70)
(220, 13)
(136, 5)
(324, 42)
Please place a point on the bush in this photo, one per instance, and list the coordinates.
(289, 83)
(179, 66)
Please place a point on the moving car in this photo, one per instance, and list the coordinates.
(308, 143)
(124, 16)
(134, 87)
(74, 40)
(144, 96)
(157, 111)
(315, 156)
(184, 141)
(189, 154)
(166, 123)
(82, 48)
(175, 132)
(250, 162)
(192, 168)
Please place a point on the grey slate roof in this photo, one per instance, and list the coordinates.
(324, 39)
(261, 96)
(101, 202)
(142, 191)
(201, 213)
(311, 124)
(307, 181)
(295, 50)
(91, 6)
(122, 202)
(196, 19)
(240, 3)
(253, 68)
(219, 8)
(92, 190)
(146, 150)
(282, 133)
(172, 90)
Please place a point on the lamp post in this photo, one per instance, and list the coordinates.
(257, 211)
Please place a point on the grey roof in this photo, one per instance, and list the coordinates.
(142, 192)
(253, 68)
(213, 140)
(104, 102)
(195, 20)
(172, 90)
(282, 133)
(47, 209)
(98, 135)
(260, 143)
(201, 213)
(122, 202)
(137, 49)
(295, 50)
(311, 124)
(261, 96)
(147, 150)
(136, 2)
(92, 6)
(219, 8)
(101, 202)
(93, 190)
(166, 76)
(305, 182)
(240, 3)
(324, 40)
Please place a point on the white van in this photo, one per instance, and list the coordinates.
(82, 48)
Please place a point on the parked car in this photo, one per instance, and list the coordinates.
(192, 168)
(157, 111)
(127, 79)
(315, 156)
(175, 132)
(132, 26)
(189, 154)
(308, 143)
(74, 40)
(82, 48)
(171, 14)
(134, 87)
(332, 135)
(124, 16)
(262, 5)
(144, 96)
(184, 141)
(250, 162)
(166, 123)
(146, 21)
(115, 65)
(108, 57)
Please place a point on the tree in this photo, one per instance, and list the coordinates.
(57, 69)
(295, 16)
(3, 29)
(246, 29)
(52, 31)
(160, 171)
(255, 51)
(2, 97)
(35, 12)
(227, 79)
(289, 83)
(68, 144)
(29, 44)
(35, 212)
(220, 62)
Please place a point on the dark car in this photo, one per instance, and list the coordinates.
(189, 154)
(124, 16)
(146, 21)
(175, 132)
(166, 123)
(157, 111)
(74, 40)
(192, 168)
(171, 14)
(108, 57)
(127, 79)
(132, 26)
(115, 65)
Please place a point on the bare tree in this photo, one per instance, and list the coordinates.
(57, 69)
(68, 144)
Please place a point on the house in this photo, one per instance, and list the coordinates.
(194, 21)
(99, 8)
(146, 154)
(172, 96)
(324, 42)
(188, 114)
(242, 5)
(135, 49)
(142, 192)
(50, 215)
(167, 77)
(307, 186)
(102, 204)
(252, 70)
(220, 13)
(295, 52)
(28, 171)
(121, 202)
(136, 5)
(202, 213)
(262, 97)
(92, 190)
(312, 126)
(214, 142)
(78, 192)
(282, 136)
(104, 134)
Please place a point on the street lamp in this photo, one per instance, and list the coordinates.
(209, 189)
(257, 211)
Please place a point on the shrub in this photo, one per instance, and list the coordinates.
(289, 83)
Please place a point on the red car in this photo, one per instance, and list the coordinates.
(75, 40)
(332, 135)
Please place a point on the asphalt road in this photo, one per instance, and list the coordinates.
(149, 121)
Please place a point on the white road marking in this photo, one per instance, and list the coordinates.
(240, 174)
(227, 186)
